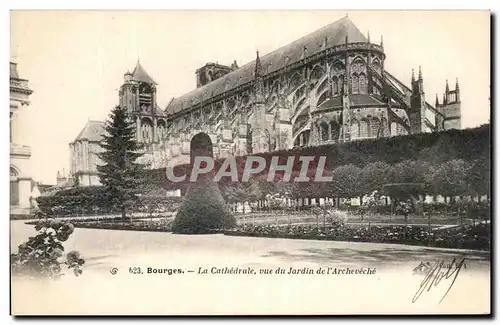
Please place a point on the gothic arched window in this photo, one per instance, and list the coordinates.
(354, 129)
(324, 131)
(335, 84)
(355, 84)
(147, 130)
(316, 74)
(161, 129)
(375, 125)
(362, 84)
(364, 129)
(341, 84)
(334, 130)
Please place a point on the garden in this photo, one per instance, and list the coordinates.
(462, 237)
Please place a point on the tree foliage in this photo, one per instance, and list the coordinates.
(373, 176)
(450, 178)
(345, 181)
(120, 174)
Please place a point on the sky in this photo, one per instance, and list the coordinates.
(75, 60)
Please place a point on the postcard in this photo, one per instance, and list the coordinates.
(250, 163)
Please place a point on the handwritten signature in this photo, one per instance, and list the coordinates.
(438, 272)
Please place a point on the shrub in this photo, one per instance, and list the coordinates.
(41, 255)
(203, 211)
(90, 200)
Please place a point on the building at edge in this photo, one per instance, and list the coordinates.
(22, 186)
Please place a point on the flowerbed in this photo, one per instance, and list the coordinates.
(156, 226)
(138, 226)
(135, 218)
(466, 237)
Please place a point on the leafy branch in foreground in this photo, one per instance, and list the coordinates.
(42, 255)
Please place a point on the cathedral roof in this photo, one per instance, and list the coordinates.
(364, 99)
(334, 34)
(91, 132)
(355, 100)
(139, 74)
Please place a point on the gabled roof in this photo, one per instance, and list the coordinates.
(92, 131)
(334, 34)
(139, 74)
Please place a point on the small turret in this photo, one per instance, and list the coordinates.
(437, 101)
(259, 84)
(420, 80)
(127, 77)
(451, 107)
(258, 66)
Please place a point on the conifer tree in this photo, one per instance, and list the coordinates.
(120, 174)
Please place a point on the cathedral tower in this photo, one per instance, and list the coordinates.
(451, 107)
(138, 95)
(417, 103)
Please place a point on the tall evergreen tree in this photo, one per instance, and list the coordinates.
(120, 174)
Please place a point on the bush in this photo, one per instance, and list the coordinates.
(203, 211)
(465, 237)
(41, 255)
(90, 200)
(433, 148)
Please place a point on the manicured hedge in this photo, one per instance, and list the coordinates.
(466, 237)
(203, 210)
(434, 148)
(90, 200)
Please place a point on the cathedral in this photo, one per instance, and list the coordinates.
(327, 87)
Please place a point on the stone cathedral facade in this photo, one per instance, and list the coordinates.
(327, 87)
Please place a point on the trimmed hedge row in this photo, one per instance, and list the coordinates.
(434, 148)
(123, 226)
(91, 200)
(467, 237)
